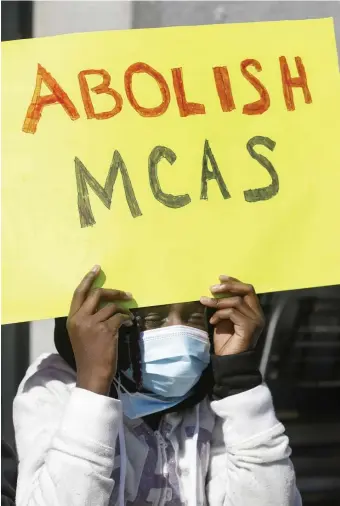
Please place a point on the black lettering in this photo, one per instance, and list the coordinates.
(270, 191)
(173, 201)
(84, 178)
(211, 174)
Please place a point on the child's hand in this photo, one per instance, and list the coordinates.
(238, 319)
(94, 333)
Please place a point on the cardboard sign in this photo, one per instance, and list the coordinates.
(169, 156)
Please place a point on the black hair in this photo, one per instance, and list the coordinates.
(62, 342)
(129, 352)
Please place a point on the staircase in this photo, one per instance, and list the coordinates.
(301, 364)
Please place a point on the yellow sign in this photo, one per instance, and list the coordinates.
(169, 156)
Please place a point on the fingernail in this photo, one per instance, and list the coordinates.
(128, 323)
(95, 268)
(204, 299)
(128, 295)
(224, 276)
(215, 287)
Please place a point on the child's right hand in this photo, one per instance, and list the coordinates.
(94, 333)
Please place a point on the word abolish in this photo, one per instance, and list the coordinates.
(185, 106)
(85, 178)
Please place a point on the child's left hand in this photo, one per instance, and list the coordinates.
(238, 319)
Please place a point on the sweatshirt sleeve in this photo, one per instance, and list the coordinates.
(250, 464)
(234, 374)
(65, 437)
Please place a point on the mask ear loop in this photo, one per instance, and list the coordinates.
(194, 470)
(122, 448)
(122, 470)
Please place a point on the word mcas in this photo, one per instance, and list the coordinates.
(185, 107)
(84, 179)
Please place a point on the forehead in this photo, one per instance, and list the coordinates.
(164, 310)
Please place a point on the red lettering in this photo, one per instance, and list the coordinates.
(185, 108)
(223, 87)
(260, 106)
(100, 89)
(147, 112)
(38, 102)
(289, 82)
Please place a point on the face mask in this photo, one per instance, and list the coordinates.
(137, 405)
(173, 359)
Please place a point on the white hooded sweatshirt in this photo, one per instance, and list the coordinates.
(76, 448)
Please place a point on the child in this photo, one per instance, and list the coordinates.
(172, 413)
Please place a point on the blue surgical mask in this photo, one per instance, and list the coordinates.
(172, 359)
